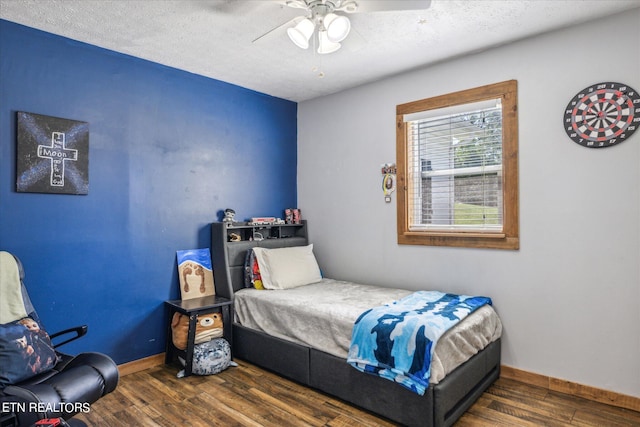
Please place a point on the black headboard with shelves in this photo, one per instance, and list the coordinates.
(228, 256)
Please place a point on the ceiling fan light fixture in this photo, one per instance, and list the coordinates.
(325, 45)
(301, 33)
(337, 27)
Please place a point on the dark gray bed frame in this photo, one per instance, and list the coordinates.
(441, 405)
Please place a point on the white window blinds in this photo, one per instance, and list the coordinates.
(455, 168)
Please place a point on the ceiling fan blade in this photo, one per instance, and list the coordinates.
(354, 42)
(290, 22)
(225, 7)
(390, 5)
(296, 4)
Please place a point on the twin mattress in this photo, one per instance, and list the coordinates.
(321, 315)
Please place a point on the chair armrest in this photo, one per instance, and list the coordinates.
(80, 331)
(8, 419)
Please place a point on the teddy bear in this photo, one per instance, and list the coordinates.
(208, 326)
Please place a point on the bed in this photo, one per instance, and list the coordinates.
(316, 357)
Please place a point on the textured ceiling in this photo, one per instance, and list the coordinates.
(214, 38)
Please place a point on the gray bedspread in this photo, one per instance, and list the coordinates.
(321, 315)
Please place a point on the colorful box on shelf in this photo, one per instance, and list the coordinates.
(263, 220)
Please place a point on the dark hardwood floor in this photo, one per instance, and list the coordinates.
(250, 396)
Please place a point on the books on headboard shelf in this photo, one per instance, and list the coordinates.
(238, 232)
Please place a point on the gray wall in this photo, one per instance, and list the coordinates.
(569, 297)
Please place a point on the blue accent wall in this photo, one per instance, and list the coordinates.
(168, 151)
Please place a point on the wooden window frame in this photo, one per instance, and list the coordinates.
(508, 237)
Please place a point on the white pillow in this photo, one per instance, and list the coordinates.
(286, 268)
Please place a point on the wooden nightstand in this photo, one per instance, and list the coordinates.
(192, 308)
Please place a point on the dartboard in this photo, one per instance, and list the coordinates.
(603, 115)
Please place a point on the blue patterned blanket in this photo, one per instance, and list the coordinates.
(396, 341)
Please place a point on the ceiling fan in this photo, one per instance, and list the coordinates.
(325, 17)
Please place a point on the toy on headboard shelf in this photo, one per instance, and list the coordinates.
(229, 215)
(292, 216)
(262, 220)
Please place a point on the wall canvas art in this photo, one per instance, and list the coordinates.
(195, 273)
(52, 155)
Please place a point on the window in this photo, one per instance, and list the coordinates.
(457, 160)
